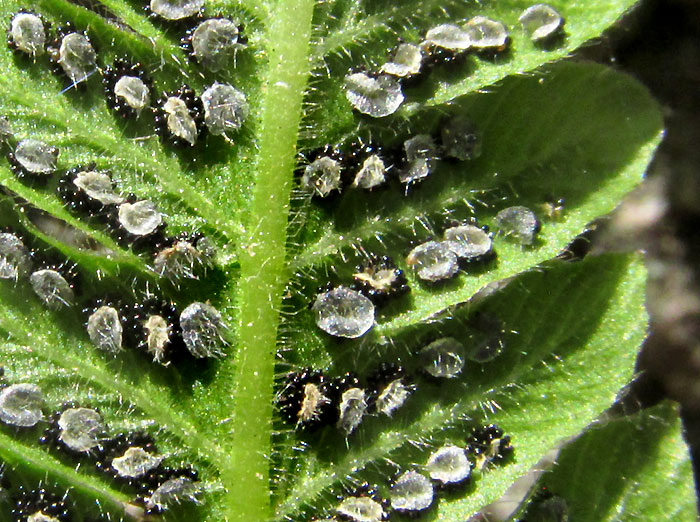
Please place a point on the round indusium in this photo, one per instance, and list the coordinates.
(376, 97)
(443, 358)
(343, 312)
(541, 22)
(225, 109)
(52, 288)
(75, 56)
(127, 88)
(33, 158)
(105, 329)
(519, 224)
(116, 447)
(27, 33)
(202, 327)
(172, 491)
(80, 429)
(179, 117)
(406, 62)
(15, 259)
(176, 9)
(20, 405)
(469, 242)
(135, 462)
(141, 218)
(86, 189)
(447, 36)
(487, 34)
(361, 509)
(214, 43)
(411, 492)
(449, 465)
(434, 261)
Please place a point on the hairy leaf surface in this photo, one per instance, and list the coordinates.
(563, 130)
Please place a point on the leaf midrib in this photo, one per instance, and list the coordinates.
(264, 266)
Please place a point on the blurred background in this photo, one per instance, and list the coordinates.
(659, 44)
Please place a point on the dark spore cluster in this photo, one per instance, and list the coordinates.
(128, 88)
(435, 56)
(304, 401)
(137, 224)
(310, 400)
(154, 326)
(179, 117)
(94, 197)
(144, 481)
(30, 502)
(116, 446)
(365, 164)
(380, 280)
(490, 445)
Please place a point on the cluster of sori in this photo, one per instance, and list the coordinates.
(368, 165)
(134, 222)
(465, 245)
(157, 328)
(152, 325)
(380, 93)
(349, 312)
(82, 434)
(181, 117)
(309, 400)
(137, 223)
(448, 468)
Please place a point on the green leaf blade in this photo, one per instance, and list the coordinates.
(635, 468)
(547, 133)
(262, 285)
(543, 389)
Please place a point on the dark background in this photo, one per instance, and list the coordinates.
(659, 44)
